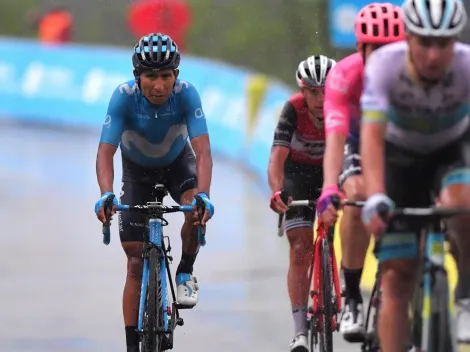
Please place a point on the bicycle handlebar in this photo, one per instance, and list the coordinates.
(151, 207)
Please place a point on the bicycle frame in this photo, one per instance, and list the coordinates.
(155, 212)
(317, 287)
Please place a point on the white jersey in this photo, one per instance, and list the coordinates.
(420, 120)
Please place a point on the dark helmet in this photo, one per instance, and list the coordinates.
(155, 51)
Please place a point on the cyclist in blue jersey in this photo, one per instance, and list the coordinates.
(151, 118)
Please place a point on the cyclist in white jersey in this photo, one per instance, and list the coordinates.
(414, 130)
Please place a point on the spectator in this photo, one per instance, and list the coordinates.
(55, 26)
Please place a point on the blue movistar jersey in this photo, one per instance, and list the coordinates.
(153, 136)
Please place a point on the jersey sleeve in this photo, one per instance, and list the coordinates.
(194, 114)
(336, 105)
(286, 126)
(113, 126)
(375, 95)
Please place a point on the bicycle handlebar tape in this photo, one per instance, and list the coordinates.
(201, 232)
(107, 207)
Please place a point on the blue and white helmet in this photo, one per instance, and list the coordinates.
(155, 51)
(434, 18)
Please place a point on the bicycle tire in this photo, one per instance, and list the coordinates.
(153, 315)
(440, 338)
(326, 336)
(371, 340)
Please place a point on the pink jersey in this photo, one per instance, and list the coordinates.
(342, 107)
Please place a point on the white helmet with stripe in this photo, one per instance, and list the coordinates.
(312, 72)
(434, 18)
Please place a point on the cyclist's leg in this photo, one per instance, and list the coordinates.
(182, 185)
(299, 229)
(132, 227)
(408, 184)
(354, 243)
(453, 181)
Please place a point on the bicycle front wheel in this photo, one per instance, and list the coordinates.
(153, 316)
(326, 333)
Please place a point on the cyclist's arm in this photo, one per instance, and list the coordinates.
(281, 146)
(109, 141)
(199, 136)
(336, 111)
(374, 104)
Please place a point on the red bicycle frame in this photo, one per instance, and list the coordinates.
(315, 269)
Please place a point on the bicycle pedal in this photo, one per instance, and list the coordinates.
(183, 306)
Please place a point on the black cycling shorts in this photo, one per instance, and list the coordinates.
(414, 180)
(138, 188)
(351, 162)
(302, 182)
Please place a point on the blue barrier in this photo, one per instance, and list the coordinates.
(71, 85)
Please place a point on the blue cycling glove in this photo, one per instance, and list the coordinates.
(99, 204)
(207, 203)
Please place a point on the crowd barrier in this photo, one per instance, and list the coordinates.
(71, 86)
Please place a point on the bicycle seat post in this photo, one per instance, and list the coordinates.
(160, 193)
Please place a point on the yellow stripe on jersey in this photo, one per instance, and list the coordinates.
(374, 116)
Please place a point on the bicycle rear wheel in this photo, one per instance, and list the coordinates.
(153, 316)
(326, 331)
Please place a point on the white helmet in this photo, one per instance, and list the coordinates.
(312, 72)
(434, 18)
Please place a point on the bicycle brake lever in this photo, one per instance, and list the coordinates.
(107, 207)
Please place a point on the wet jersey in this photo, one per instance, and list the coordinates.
(297, 132)
(417, 119)
(343, 89)
(153, 136)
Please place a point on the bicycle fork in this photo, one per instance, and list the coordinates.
(156, 241)
(432, 305)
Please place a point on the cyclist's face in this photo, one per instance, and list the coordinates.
(157, 86)
(431, 56)
(314, 98)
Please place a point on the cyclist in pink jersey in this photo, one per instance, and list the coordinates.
(376, 24)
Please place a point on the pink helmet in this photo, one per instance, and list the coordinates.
(379, 23)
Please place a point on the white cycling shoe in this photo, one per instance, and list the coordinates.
(352, 322)
(299, 343)
(187, 289)
(463, 320)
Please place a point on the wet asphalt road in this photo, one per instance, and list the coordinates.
(61, 287)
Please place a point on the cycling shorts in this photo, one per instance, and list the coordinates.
(414, 181)
(138, 185)
(351, 161)
(301, 182)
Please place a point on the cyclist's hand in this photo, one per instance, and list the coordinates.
(376, 212)
(99, 209)
(208, 209)
(325, 208)
(277, 204)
